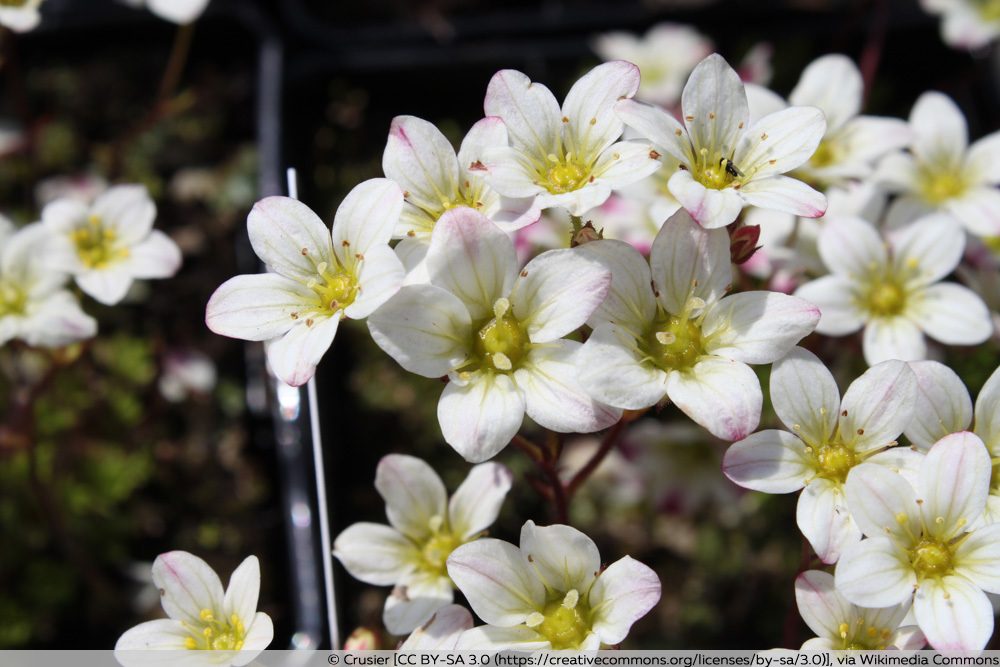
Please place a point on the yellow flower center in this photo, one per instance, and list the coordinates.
(335, 287)
(564, 174)
(436, 550)
(989, 10)
(13, 3)
(674, 342)
(715, 170)
(215, 634)
(931, 559)
(826, 154)
(96, 244)
(885, 298)
(834, 460)
(994, 476)
(501, 343)
(13, 299)
(863, 639)
(565, 623)
(941, 183)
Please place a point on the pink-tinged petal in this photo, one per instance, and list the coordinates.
(834, 296)
(951, 314)
(624, 593)
(719, 394)
(612, 369)
(953, 614)
(485, 133)
(977, 558)
(820, 605)
(529, 110)
(893, 338)
(516, 213)
(289, 237)
(689, 261)
(493, 638)
(476, 504)
(294, 356)
(873, 573)
(471, 258)
(128, 210)
(162, 634)
(553, 394)
(258, 307)
(658, 126)
(883, 503)
(779, 142)
(983, 159)
(625, 163)
(562, 557)
(243, 590)
(878, 406)
(715, 105)
(978, 210)
(940, 130)
(825, 520)
(588, 111)
(988, 413)
(757, 327)
(805, 396)
(497, 580)
(629, 302)
(576, 202)
(380, 276)
(770, 461)
(832, 83)
(156, 257)
(710, 208)
(557, 292)
(784, 194)
(441, 632)
(55, 321)
(943, 404)
(412, 605)
(375, 554)
(421, 161)
(366, 218)
(954, 483)
(187, 585)
(479, 418)
(107, 286)
(927, 250)
(851, 247)
(414, 494)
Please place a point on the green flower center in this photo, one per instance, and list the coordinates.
(885, 298)
(13, 3)
(13, 299)
(564, 174)
(565, 623)
(826, 154)
(215, 634)
(96, 244)
(436, 550)
(931, 559)
(501, 343)
(834, 461)
(940, 184)
(862, 638)
(994, 475)
(989, 10)
(335, 288)
(674, 342)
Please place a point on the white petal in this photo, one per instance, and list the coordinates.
(710, 208)
(888, 338)
(259, 635)
(878, 406)
(624, 593)
(832, 83)
(156, 257)
(851, 247)
(476, 504)
(904, 461)
(489, 637)
(953, 614)
(988, 412)
(187, 586)
(780, 142)
(294, 356)
(612, 370)
(625, 163)
(56, 321)
(108, 286)
(380, 277)
(366, 218)
(128, 209)
(375, 554)
(658, 126)
(480, 418)
(422, 162)
(805, 395)
(588, 111)
(820, 605)
(771, 461)
(511, 172)
(243, 590)
(162, 634)
(412, 605)
(872, 573)
(825, 520)
(414, 495)
(882, 503)
(715, 105)
(629, 301)
(757, 327)
(834, 295)
(943, 404)
(562, 557)
(977, 558)
(497, 580)
(817, 644)
(954, 484)
(471, 258)
(927, 250)
(720, 394)
(983, 158)
(951, 314)
(762, 101)
(865, 139)
(898, 172)
(940, 130)
(484, 133)
(577, 202)
(528, 109)
(908, 638)
(784, 194)
(178, 11)
(978, 210)
(441, 633)
(289, 237)
(688, 261)
(557, 292)
(258, 307)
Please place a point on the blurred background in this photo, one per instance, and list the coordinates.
(160, 435)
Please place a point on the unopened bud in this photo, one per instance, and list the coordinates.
(586, 234)
(363, 639)
(743, 243)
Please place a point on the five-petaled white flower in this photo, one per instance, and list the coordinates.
(828, 438)
(943, 407)
(842, 626)
(922, 542)
(202, 615)
(727, 161)
(497, 333)
(20, 15)
(34, 306)
(942, 172)
(109, 244)
(551, 592)
(175, 11)
(569, 157)
(666, 329)
(426, 528)
(966, 24)
(320, 277)
(435, 180)
(892, 288)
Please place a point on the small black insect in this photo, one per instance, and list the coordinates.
(731, 168)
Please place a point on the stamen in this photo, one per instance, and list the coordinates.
(534, 620)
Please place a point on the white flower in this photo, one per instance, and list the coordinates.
(202, 616)
(34, 306)
(497, 333)
(186, 371)
(828, 438)
(923, 543)
(319, 277)
(966, 24)
(842, 626)
(892, 288)
(569, 157)
(426, 528)
(666, 329)
(665, 55)
(20, 15)
(551, 592)
(942, 172)
(111, 243)
(727, 161)
(175, 11)
(82, 186)
(434, 180)
(944, 407)
(441, 632)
